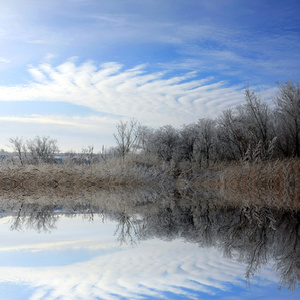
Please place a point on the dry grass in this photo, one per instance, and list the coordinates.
(64, 179)
(275, 183)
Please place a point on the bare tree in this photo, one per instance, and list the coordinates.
(42, 149)
(87, 155)
(127, 137)
(187, 141)
(206, 139)
(246, 128)
(165, 142)
(259, 117)
(18, 145)
(145, 137)
(232, 134)
(288, 125)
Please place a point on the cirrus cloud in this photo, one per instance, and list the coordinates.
(111, 92)
(154, 98)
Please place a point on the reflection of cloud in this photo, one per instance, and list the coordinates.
(151, 97)
(150, 269)
(61, 245)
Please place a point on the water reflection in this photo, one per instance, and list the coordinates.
(254, 234)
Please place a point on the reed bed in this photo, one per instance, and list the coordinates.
(112, 173)
(276, 183)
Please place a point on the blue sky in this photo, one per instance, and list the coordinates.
(82, 260)
(72, 69)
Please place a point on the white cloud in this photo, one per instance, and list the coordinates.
(83, 123)
(112, 92)
(195, 31)
(4, 60)
(152, 98)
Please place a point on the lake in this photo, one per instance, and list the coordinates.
(147, 244)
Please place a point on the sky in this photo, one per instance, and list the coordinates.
(81, 259)
(73, 69)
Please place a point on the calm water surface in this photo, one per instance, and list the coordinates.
(170, 248)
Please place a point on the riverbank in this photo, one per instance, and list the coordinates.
(274, 182)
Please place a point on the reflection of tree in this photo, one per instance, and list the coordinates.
(43, 217)
(247, 237)
(128, 228)
(17, 221)
(288, 250)
(35, 216)
(251, 234)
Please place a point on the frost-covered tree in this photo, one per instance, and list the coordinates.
(206, 140)
(42, 149)
(232, 134)
(188, 136)
(39, 149)
(18, 145)
(288, 118)
(127, 137)
(259, 119)
(164, 142)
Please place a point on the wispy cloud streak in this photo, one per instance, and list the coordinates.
(154, 98)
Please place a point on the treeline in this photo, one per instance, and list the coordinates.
(250, 131)
(34, 151)
(45, 150)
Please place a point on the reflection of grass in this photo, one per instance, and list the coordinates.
(275, 183)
